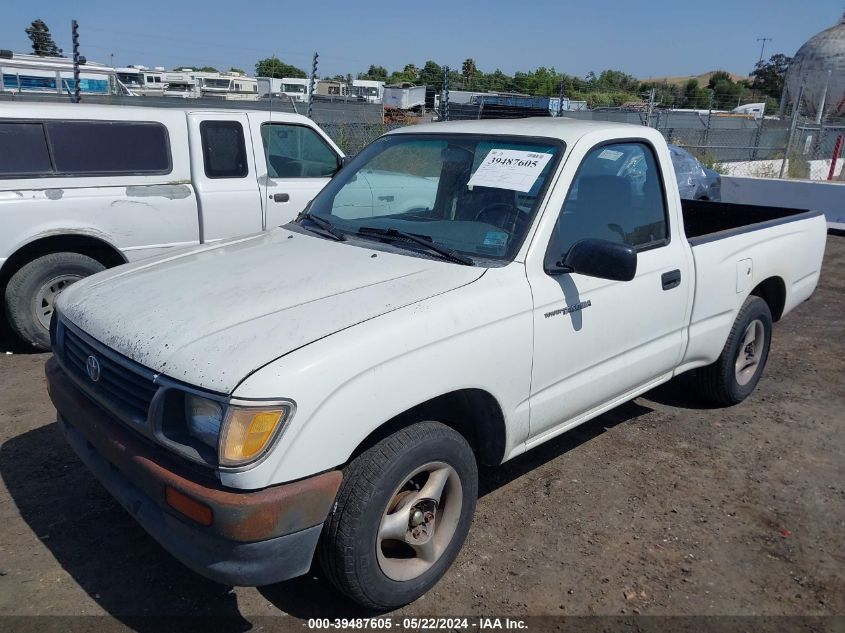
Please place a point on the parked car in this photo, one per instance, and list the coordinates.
(87, 187)
(695, 181)
(329, 387)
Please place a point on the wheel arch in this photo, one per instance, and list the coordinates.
(773, 292)
(92, 246)
(472, 412)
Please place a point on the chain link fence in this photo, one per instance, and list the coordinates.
(730, 143)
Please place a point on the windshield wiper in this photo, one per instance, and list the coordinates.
(422, 240)
(328, 229)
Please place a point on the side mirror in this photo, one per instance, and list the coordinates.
(343, 162)
(599, 258)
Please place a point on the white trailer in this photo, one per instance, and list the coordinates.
(404, 97)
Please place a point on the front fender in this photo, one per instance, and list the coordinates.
(347, 385)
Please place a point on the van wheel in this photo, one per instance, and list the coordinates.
(31, 293)
(401, 517)
(732, 378)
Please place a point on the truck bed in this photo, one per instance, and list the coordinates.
(706, 221)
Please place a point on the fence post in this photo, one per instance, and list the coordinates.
(445, 93)
(77, 59)
(758, 135)
(650, 108)
(792, 125)
(560, 98)
(709, 118)
(837, 152)
(311, 82)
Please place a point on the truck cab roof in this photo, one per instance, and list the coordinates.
(565, 129)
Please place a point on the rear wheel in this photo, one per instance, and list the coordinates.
(32, 291)
(736, 372)
(402, 514)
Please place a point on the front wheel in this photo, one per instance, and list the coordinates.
(736, 372)
(402, 514)
(32, 291)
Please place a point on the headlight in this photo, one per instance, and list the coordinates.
(204, 418)
(248, 432)
(237, 433)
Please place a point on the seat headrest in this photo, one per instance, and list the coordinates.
(604, 194)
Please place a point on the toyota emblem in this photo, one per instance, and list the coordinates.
(92, 366)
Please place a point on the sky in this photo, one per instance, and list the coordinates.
(648, 39)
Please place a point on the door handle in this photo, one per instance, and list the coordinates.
(670, 280)
(281, 197)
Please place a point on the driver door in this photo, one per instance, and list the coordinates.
(597, 340)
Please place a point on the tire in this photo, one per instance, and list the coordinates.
(32, 290)
(733, 376)
(379, 572)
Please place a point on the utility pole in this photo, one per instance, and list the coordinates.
(311, 82)
(763, 45)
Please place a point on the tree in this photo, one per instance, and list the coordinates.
(694, 96)
(275, 67)
(237, 70)
(616, 80)
(469, 70)
(769, 77)
(717, 76)
(198, 69)
(42, 40)
(377, 73)
(431, 75)
(411, 71)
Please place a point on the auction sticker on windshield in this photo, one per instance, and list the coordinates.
(509, 169)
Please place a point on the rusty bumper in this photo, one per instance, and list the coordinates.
(254, 538)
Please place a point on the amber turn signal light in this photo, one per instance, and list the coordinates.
(188, 506)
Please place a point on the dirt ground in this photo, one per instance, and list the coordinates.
(663, 506)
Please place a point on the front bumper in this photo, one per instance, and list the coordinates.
(255, 538)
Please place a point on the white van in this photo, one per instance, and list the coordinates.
(86, 187)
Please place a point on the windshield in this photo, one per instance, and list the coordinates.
(475, 195)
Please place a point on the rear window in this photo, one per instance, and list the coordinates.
(83, 148)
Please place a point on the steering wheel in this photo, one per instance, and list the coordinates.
(499, 214)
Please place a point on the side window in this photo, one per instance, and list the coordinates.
(617, 195)
(296, 151)
(223, 149)
(23, 150)
(93, 148)
(104, 148)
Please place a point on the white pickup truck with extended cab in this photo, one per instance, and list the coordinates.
(86, 187)
(457, 294)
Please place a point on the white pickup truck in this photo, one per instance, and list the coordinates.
(329, 387)
(86, 187)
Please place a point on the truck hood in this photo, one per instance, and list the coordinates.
(213, 315)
